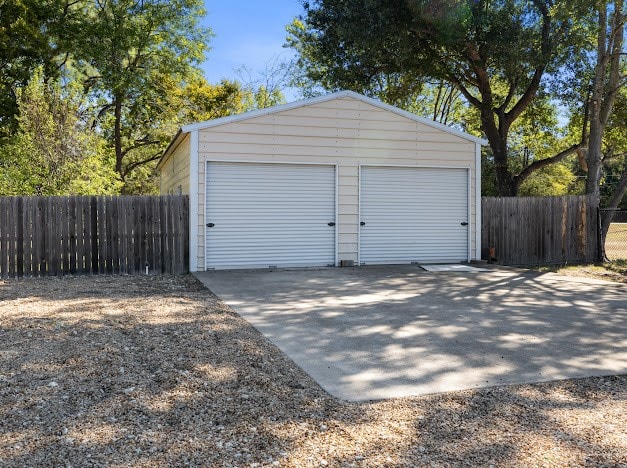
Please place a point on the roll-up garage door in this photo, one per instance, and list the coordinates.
(413, 215)
(269, 215)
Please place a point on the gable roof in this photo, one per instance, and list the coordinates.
(306, 102)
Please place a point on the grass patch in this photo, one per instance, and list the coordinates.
(616, 242)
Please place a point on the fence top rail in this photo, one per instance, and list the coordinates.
(562, 197)
(67, 197)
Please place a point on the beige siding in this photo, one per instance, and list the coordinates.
(174, 174)
(344, 131)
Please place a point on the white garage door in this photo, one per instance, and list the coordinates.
(413, 215)
(269, 215)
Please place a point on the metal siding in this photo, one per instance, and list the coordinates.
(413, 215)
(270, 215)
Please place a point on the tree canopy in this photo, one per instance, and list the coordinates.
(112, 80)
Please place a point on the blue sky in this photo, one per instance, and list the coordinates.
(249, 33)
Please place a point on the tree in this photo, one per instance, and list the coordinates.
(32, 34)
(53, 152)
(199, 100)
(609, 78)
(135, 53)
(495, 53)
(264, 88)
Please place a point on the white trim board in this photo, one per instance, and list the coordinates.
(193, 202)
(478, 219)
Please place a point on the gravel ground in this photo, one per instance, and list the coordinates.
(155, 371)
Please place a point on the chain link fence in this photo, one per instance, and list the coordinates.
(616, 239)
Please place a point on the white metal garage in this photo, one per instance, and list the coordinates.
(270, 181)
(269, 215)
(411, 214)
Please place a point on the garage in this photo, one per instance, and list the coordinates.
(413, 215)
(335, 180)
(269, 215)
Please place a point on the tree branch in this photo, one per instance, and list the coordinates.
(139, 144)
(467, 94)
(135, 164)
(534, 84)
(609, 157)
(540, 163)
(510, 95)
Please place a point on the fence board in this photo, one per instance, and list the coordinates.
(143, 244)
(155, 229)
(122, 234)
(166, 213)
(113, 232)
(42, 236)
(80, 236)
(53, 238)
(4, 217)
(184, 234)
(63, 219)
(25, 232)
(539, 230)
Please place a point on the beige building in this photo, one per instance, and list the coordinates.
(335, 180)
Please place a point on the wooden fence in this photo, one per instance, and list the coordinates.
(41, 236)
(539, 230)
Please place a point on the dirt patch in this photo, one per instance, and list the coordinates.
(611, 271)
(155, 371)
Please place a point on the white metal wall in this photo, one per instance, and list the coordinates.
(413, 214)
(342, 132)
(270, 215)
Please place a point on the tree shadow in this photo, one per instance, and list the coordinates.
(158, 371)
(368, 334)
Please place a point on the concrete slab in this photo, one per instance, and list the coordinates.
(380, 332)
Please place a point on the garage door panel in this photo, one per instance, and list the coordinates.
(413, 215)
(269, 215)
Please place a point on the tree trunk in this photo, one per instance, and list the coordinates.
(117, 136)
(497, 139)
(505, 183)
(594, 154)
(595, 137)
(610, 37)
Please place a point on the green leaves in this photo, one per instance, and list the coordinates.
(53, 152)
(495, 53)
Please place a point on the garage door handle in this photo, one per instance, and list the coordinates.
(331, 224)
(362, 223)
(210, 225)
(464, 223)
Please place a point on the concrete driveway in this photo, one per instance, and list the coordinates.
(381, 332)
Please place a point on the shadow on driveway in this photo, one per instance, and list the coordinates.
(381, 332)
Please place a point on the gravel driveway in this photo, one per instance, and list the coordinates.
(155, 371)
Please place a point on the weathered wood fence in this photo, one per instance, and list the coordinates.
(539, 230)
(42, 236)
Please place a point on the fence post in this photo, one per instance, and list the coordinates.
(599, 236)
